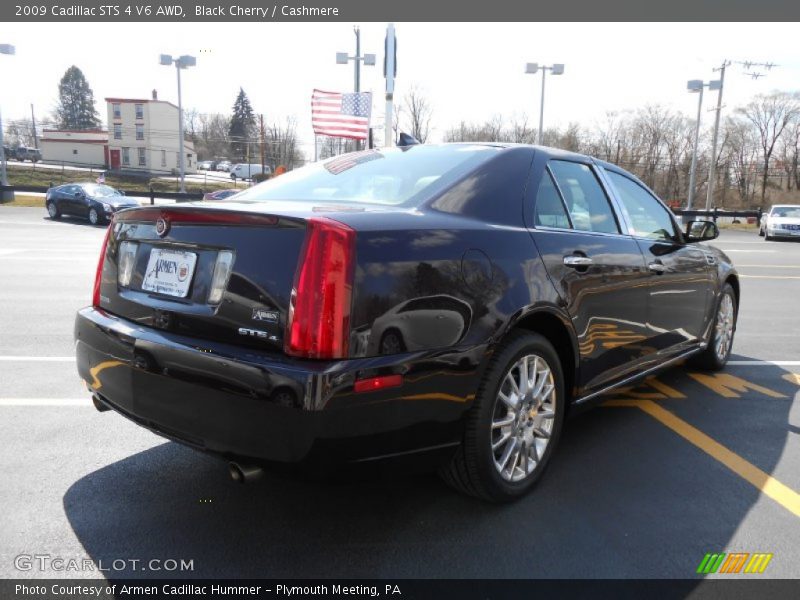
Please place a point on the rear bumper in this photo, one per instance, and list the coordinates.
(266, 407)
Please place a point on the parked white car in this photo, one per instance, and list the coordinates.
(782, 221)
(245, 171)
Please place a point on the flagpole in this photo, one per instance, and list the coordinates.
(315, 147)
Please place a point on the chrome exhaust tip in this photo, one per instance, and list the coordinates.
(98, 404)
(244, 473)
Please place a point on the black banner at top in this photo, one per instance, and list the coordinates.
(396, 10)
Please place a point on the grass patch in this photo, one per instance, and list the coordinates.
(25, 200)
(46, 177)
(738, 226)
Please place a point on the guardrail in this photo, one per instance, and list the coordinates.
(717, 213)
(151, 193)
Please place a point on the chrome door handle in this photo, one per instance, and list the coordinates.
(577, 261)
(657, 268)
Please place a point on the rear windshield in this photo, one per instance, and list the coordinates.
(392, 176)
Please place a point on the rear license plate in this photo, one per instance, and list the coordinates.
(169, 272)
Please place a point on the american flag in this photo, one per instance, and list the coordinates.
(341, 115)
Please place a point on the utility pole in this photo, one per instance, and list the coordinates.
(713, 166)
(263, 135)
(35, 137)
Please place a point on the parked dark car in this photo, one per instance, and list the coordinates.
(32, 154)
(220, 194)
(245, 328)
(93, 201)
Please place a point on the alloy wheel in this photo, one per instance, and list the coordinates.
(724, 328)
(523, 418)
(93, 217)
(51, 210)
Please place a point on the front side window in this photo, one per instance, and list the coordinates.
(549, 210)
(117, 110)
(142, 157)
(126, 156)
(139, 132)
(140, 111)
(117, 131)
(586, 201)
(648, 216)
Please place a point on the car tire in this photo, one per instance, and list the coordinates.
(53, 211)
(392, 343)
(712, 358)
(95, 218)
(478, 467)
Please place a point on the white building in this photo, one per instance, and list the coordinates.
(143, 135)
(87, 148)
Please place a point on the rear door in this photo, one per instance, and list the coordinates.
(598, 271)
(681, 276)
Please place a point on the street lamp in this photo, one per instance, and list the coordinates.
(182, 62)
(342, 58)
(696, 86)
(4, 49)
(556, 69)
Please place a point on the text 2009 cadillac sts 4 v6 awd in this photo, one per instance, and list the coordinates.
(449, 302)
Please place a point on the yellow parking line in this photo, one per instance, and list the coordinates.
(792, 377)
(770, 276)
(96, 370)
(768, 485)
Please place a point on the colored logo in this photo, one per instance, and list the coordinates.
(736, 562)
(183, 272)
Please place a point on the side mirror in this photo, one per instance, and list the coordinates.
(121, 193)
(79, 195)
(701, 231)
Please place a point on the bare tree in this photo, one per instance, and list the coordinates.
(770, 114)
(418, 114)
(282, 145)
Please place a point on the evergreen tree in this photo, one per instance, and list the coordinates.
(243, 126)
(75, 109)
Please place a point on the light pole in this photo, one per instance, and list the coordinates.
(342, 58)
(697, 86)
(713, 165)
(555, 69)
(182, 62)
(4, 49)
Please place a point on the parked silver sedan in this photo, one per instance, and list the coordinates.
(782, 221)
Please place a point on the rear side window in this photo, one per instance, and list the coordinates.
(549, 210)
(586, 201)
(648, 216)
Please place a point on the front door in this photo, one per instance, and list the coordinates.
(680, 275)
(599, 272)
(114, 158)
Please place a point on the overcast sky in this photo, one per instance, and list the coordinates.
(468, 71)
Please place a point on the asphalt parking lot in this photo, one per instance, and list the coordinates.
(643, 486)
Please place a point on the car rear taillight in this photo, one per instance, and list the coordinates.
(98, 276)
(319, 310)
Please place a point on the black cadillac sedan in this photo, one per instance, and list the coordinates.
(449, 303)
(93, 201)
